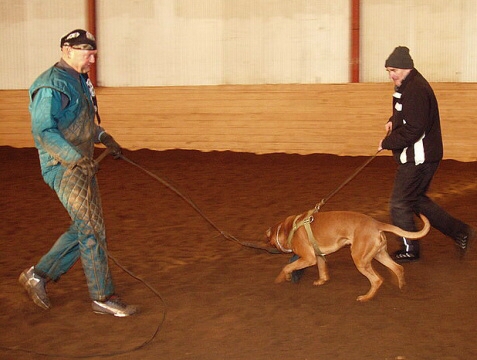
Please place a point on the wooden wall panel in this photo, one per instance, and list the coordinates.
(342, 119)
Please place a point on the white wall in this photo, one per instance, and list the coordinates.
(441, 35)
(30, 33)
(202, 42)
(199, 42)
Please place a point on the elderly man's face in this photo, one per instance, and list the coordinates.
(397, 75)
(79, 59)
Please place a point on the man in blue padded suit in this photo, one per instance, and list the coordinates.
(63, 111)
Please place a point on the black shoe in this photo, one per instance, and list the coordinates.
(297, 274)
(463, 239)
(403, 256)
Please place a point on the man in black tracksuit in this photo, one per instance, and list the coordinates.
(416, 142)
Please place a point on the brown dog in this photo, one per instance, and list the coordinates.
(312, 235)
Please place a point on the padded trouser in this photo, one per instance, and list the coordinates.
(85, 239)
(409, 198)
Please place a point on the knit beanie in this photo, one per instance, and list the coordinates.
(400, 59)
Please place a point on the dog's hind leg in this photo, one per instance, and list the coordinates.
(374, 279)
(383, 257)
(362, 260)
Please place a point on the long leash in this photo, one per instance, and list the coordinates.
(131, 274)
(226, 235)
(351, 177)
(223, 233)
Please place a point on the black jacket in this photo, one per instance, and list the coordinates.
(416, 131)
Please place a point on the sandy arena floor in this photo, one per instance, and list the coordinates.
(215, 298)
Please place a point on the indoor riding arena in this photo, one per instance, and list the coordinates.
(210, 162)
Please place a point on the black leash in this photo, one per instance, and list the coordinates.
(145, 283)
(333, 193)
(226, 235)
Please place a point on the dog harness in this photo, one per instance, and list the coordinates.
(307, 220)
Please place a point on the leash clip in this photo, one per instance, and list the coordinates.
(308, 220)
(319, 205)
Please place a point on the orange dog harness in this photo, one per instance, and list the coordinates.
(307, 220)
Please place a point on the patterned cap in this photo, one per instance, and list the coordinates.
(79, 39)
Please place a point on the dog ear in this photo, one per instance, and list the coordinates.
(287, 225)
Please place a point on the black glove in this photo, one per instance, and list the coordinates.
(111, 144)
(87, 166)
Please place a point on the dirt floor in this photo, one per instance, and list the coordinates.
(212, 298)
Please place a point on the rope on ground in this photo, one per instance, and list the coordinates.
(226, 235)
(196, 208)
(112, 353)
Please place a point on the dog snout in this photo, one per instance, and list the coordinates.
(268, 235)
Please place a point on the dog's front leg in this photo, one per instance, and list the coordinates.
(301, 263)
(323, 275)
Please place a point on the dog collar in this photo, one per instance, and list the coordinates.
(282, 249)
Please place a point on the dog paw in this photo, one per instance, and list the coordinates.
(282, 277)
(319, 282)
(363, 298)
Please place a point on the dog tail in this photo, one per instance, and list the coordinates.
(408, 234)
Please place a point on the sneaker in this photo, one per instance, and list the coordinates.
(403, 256)
(462, 240)
(113, 306)
(36, 287)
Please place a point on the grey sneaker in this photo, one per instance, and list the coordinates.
(113, 306)
(35, 287)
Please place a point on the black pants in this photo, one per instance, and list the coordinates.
(409, 198)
